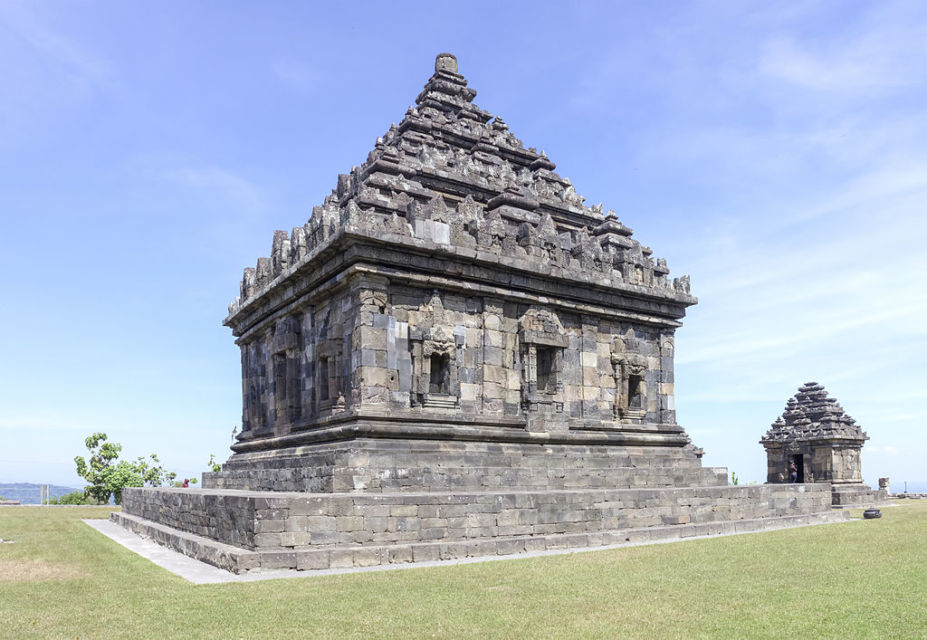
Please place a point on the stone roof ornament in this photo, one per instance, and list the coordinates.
(813, 415)
(455, 164)
(446, 62)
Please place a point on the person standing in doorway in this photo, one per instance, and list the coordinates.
(793, 471)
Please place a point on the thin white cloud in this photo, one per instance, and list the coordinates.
(229, 185)
(63, 57)
(42, 73)
(879, 53)
(873, 188)
(297, 77)
(50, 420)
(888, 449)
(786, 60)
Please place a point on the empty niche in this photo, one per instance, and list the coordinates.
(546, 379)
(279, 363)
(635, 392)
(322, 379)
(440, 375)
(287, 400)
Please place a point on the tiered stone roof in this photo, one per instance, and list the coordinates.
(813, 415)
(452, 178)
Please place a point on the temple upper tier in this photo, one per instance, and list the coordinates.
(452, 178)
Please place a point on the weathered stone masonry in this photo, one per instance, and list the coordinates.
(271, 530)
(824, 443)
(459, 351)
(455, 287)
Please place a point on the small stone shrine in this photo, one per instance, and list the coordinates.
(456, 356)
(823, 442)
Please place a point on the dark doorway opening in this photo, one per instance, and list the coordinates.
(322, 375)
(440, 379)
(545, 361)
(280, 385)
(799, 461)
(635, 392)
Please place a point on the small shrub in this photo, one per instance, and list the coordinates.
(75, 497)
(214, 466)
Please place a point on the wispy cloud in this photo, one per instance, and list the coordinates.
(185, 175)
(887, 449)
(58, 60)
(52, 420)
(297, 77)
(879, 53)
(43, 72)
(226, 184)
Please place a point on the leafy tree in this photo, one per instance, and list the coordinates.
(108, 475)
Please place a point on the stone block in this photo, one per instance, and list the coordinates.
(268, 526)
(312, 560)
(469, 392)
(349, 523)
(367, 557)
(294, 538)
(425, 552)
(278, 560)
(508, 547)
(401, 554)
(267, 539)
(341, 558)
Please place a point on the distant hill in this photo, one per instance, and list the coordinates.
(28, 493)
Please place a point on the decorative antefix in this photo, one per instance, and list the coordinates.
(823, 443)
(454, 356)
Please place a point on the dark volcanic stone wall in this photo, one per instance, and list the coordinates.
(407, 466)
(454, 277)
(291, 520)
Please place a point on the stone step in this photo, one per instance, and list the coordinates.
(413, 478)
(324, 557)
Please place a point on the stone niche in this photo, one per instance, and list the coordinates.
(823, 442)
(455, 355)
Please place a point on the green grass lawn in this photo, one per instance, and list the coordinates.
(859, 579)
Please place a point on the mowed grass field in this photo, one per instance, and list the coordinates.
(859, 579)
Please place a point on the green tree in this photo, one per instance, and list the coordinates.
(108, 475)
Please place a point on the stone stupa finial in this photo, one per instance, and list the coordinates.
(446, 62)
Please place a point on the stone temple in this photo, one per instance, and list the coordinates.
(456, 356)
(823, 442)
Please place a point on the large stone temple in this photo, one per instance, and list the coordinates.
(456, 356)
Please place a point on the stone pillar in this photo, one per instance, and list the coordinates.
(493, 357)
(589, 361)
(371, 378)
(667, 392)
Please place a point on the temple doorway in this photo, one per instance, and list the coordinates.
(799, 461)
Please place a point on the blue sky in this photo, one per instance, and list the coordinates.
(776, 152)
